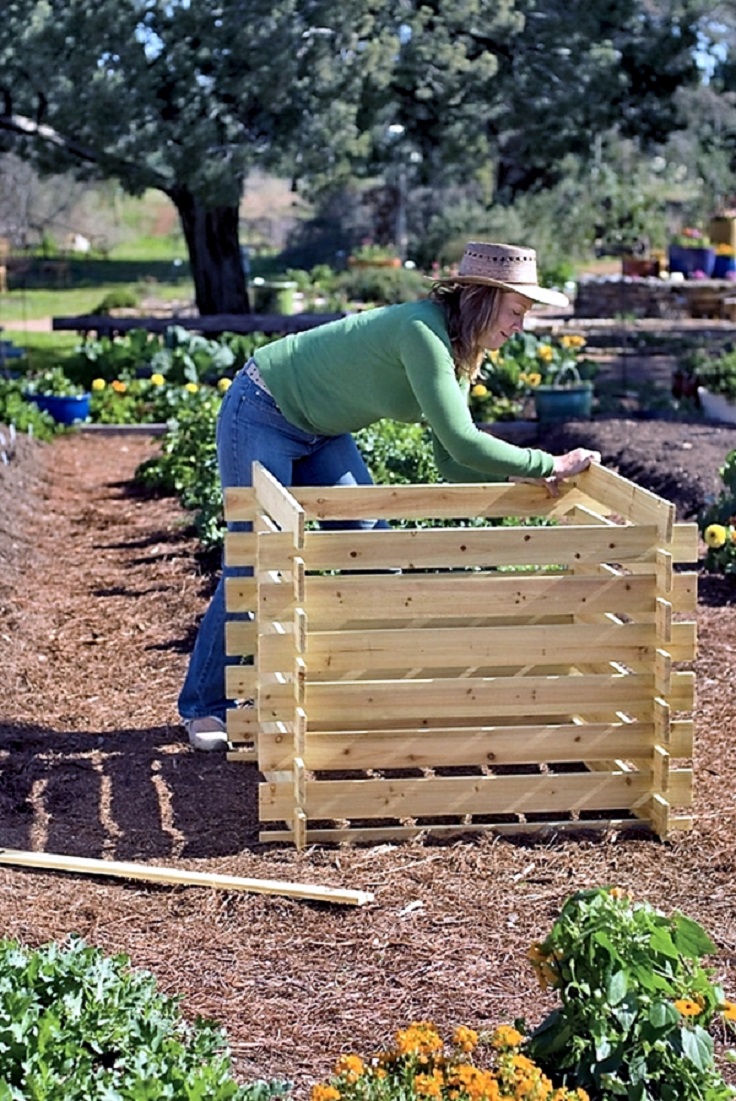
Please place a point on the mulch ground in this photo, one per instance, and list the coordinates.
(100, 592)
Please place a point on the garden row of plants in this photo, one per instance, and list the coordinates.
(178, 379)
(637, 1010)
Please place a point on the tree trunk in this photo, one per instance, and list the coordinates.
(214, 254)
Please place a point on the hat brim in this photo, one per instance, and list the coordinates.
(528, 290)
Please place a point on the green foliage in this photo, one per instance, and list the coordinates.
(397, 453)
(380, 286)
(54, 382)
(717, 523)
(117, 299)
(23, 415)
(716, 373)
(78, 1024)
(187, 465)
(636, 1002)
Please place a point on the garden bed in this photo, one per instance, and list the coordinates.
(101, 589)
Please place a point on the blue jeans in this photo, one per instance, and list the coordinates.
(251, 427)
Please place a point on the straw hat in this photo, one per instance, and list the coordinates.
(508, 267)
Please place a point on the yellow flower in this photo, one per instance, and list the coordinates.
(495, 356)
(687, 1007)
(350, 1067)
(534, 378)
(572, 340)
(729, 1011)
(224, 384)
(321, 1092)
(157, 380)
(479, 390)
(191, 387)
(546, 353)
(715, 535)
(505, 1037)
(98, 384)
(618, 892)
(118, 386)
(465, 1038)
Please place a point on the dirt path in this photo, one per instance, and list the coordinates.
(99, 594)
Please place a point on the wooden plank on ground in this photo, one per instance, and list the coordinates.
(79, 865)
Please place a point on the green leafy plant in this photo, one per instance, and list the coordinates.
(53, 382)
(636, 1002)
(24, 415)
(716, 373)
(76, 1023)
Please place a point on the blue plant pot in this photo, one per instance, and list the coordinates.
(688, 260)
(63, 410)
(563, 403)
(724, 267)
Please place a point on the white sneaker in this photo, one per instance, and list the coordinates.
(206, 734)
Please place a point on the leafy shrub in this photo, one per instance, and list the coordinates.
(397, 453)
(717, 373)
(75, 1023)
(23, 415)
(636, 1002)
(120, 298)
(381, 286)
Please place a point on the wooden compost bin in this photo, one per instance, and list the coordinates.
(459, 678)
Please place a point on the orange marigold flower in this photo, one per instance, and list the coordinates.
(429, 1085)
(350, 1067)
(618, 892)
(421, 1038)
(729, 1011)
(322, 1092)
(505, 1037)
(687, 1007)
(465, 1038)
(118, 386)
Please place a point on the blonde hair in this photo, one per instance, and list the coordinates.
(470, 310)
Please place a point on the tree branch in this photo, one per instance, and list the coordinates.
(25, 127)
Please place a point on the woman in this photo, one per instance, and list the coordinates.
(294, 407)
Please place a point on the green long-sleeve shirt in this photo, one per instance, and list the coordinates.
(393, 362)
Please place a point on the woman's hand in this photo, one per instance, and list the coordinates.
(572, 462)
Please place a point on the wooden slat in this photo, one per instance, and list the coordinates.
(461, 746)
(544, 793)
(462, 548)
(180, 877)
(240, 638)
(240, 594)
(240, 548)
(443, 795)
(412, 502)
(438, 596)
(638, 505)
(278, 503)
(551, 826)
(239, 503)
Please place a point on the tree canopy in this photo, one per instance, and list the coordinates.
(188, 98)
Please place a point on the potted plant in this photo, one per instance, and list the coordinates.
(713, 378)
(54, 393)
(554, 376)
(690, 253)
